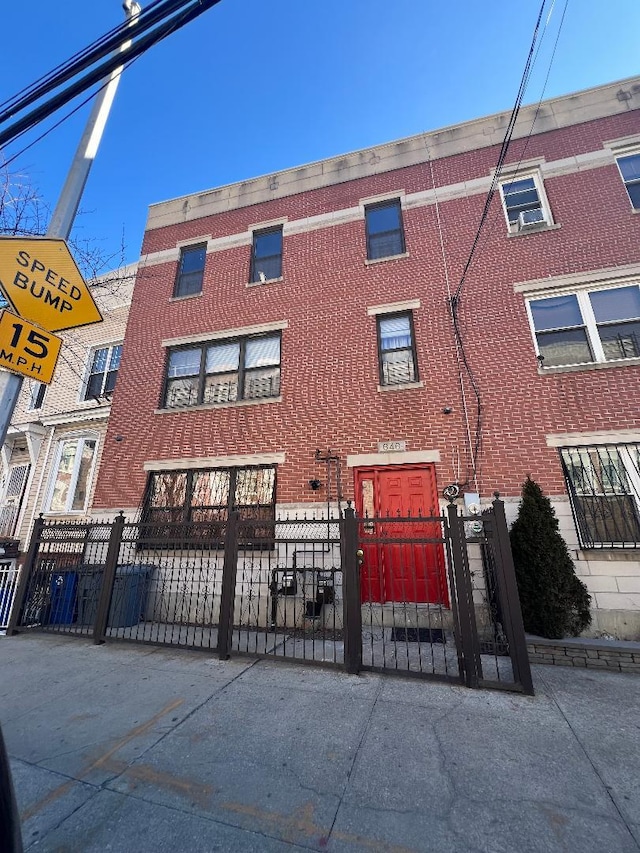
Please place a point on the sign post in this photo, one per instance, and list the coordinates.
(60, 227)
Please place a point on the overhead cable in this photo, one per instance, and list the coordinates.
(84, 59)
(21, 126)
(455, 299)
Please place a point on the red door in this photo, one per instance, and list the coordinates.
(409, 571)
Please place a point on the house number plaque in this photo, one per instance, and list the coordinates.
(392, 446)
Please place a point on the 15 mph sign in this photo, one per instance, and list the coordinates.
(39, 277)
(26, 349)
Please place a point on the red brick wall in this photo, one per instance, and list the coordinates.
(329, 358)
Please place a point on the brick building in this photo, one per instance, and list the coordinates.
(292, 342)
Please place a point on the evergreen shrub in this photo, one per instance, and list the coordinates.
(554, 601)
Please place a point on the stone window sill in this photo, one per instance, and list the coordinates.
(263, 283)
(593, 365)
(212, 406)
(609, 554)
(405, 386)
(534, 229)
(186, 296)
(368, 261)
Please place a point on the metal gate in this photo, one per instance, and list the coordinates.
(288, 589)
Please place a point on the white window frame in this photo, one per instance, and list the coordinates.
(411, 349)
(589, 322)
(80, 438)
(631, 152)
(536, 175)
(89, 365)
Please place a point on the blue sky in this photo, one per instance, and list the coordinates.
(255, 86)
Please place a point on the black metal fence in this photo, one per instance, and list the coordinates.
(431, 597)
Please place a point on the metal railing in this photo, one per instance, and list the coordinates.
(384, 594)
(603, 482)
(9, 575)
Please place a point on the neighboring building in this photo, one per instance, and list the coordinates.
(57, 434)
(292, 339)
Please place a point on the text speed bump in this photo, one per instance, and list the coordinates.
(26, 349)
(42, 282)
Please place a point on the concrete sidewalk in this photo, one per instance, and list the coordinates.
(136, 748)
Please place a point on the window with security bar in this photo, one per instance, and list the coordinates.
(587, 326)
(603, 482)
(396, 349)
(385, 234)
(195, 504)
(223, 371)
(103, 372)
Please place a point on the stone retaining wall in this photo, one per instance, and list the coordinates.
(614, 655)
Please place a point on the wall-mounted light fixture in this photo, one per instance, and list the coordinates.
(315, 485)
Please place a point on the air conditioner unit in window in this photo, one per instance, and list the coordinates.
(531, 217)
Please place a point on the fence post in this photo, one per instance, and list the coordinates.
(25, 576)
(464, 597)
(351, 608)
(227, 596)
(108, 580)
(508, 592)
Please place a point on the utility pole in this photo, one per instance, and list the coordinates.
(69, 201)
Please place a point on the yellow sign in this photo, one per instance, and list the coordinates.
(39, 277)
(26, 349)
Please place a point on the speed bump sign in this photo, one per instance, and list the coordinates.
(27, 349)
(41, 280)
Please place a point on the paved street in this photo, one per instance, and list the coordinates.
(137, 748)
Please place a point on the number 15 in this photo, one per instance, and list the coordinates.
(34, 338)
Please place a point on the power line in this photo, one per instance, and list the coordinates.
(515, 172)
(26, 123)
(456, 298)
(503, 151)
(87, 57)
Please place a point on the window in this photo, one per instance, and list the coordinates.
(105, 363)
(195, 504)
(630, 170)
(266, 255)
(71, 482)
(524, 203)
(36, 395)
(224, 372)
(604, 488)
(588, 326)
(385, 236)
(396, 349)
(190, 271)
(11, 495)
